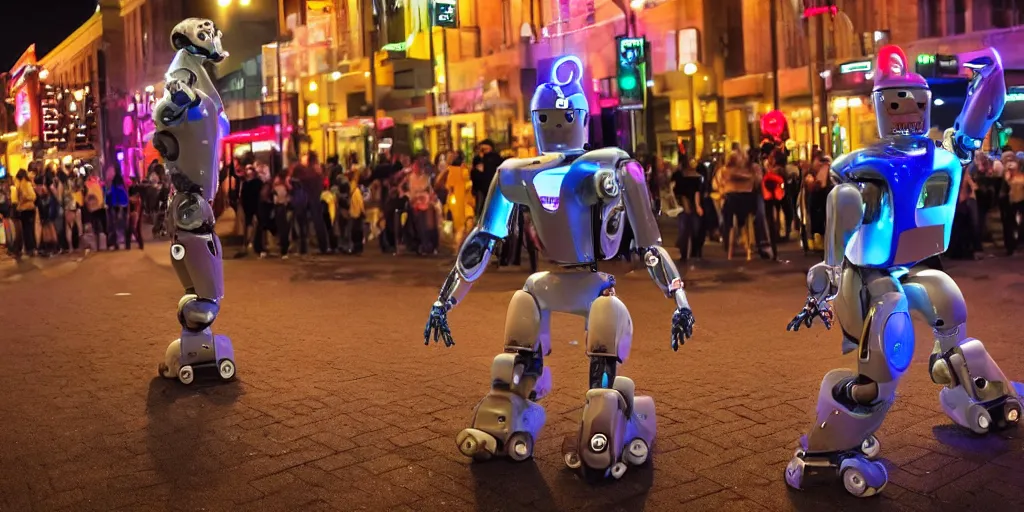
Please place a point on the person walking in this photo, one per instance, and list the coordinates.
(26, 202)
(686, 185)
(282, 201)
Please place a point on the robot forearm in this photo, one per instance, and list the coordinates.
(665, 274)
(470, 265)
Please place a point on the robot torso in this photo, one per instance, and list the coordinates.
(192, 149)
(574, 201)
(910, 189)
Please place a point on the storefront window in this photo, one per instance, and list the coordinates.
(467, 139)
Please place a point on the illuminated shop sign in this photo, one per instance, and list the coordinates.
(446, 13)
(22, 108)
(928, 65)
(862, 66)
(1015, 93)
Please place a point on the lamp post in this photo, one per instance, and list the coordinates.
(690, 69)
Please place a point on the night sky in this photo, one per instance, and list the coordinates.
(43, 22)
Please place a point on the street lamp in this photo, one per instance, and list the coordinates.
(690, 69)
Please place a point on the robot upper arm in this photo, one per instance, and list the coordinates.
(637, 199)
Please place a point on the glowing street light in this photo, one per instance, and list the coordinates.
(224, 3)
(689, 69)
(312, 86)
(312, 110)
(244, 3)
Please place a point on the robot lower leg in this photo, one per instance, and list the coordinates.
(617, 428)
(508, 419)
(976, 394)
(852, 405)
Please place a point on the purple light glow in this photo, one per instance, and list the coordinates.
(635, 170)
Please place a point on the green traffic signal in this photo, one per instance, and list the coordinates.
(627, 82)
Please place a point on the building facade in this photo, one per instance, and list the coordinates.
(83, 93)
(825, 54)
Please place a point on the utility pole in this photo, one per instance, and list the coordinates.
(279, 86)
(823, 126)
(773, 21)
(370, 49)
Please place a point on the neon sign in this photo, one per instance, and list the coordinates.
(22, 108)
(811, 12)
(855, 67)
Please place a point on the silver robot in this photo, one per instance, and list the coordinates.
(581, 203)
(190, 124)
(892, 207)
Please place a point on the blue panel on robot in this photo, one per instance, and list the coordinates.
(549, 187)
(898, 341)
(904, 163)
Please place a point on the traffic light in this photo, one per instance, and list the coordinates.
(632, 70)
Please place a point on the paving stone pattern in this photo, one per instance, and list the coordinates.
(339, 406)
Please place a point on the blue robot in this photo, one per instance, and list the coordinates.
(892, 207)
(581, 203)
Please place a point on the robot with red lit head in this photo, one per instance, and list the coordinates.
(190, 124)
(891, 208)
(580, 202)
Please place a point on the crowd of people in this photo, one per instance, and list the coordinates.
(49, 210)
(750, 200)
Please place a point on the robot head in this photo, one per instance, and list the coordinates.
(200, 37)
(903, 102)
(560, 110)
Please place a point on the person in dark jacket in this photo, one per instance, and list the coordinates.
(485, 166)
(250, 201)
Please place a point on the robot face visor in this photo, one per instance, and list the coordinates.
(903, 110)
(560, 129)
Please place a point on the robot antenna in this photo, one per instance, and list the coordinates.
(574, 74)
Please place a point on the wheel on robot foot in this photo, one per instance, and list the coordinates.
(477, 444)
(978, 419)
(863, 478)
(186, 374)
(871, 448)
(519, 446)
(226, 369)
(1011, 411)
(637, 453)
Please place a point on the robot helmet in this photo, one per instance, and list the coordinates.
(199, 36)
(903, 101)
(560, 110)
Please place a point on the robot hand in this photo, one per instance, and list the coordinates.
(813, 308)
(178, 98)
(682, 327)
(822, 287)
(437, 326)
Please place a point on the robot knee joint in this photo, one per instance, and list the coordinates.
(196, 314)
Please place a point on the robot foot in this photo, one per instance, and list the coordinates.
(616, 432)
(199, 353)
(862, 477)
(982, 417)
(504, 423)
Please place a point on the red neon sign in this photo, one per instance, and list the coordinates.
(810, 12)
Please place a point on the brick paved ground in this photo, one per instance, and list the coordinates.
(340, 406)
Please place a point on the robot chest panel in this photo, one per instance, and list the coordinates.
(562, 205)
